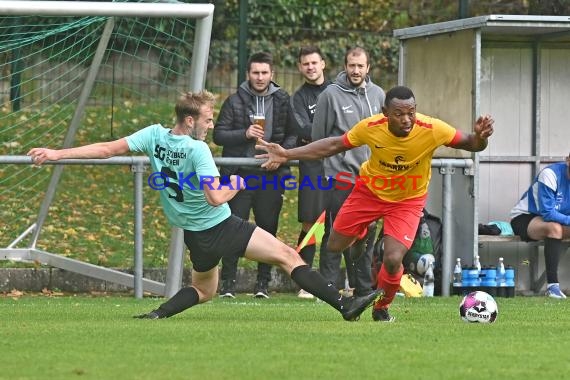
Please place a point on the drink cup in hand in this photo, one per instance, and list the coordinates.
(259, 120)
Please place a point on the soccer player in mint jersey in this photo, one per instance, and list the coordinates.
(393, 181)
(210, 231)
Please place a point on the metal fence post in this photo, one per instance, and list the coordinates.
(138, 170)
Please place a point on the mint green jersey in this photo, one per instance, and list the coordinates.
(182, 163)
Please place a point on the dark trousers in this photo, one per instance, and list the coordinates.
(358, 271)
(265, 199)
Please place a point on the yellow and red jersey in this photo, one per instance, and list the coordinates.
(399, 167)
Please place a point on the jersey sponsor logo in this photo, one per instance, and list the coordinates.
(168, 156)
(397, 167)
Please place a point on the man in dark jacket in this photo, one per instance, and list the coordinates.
(237, 130)
(311, 201)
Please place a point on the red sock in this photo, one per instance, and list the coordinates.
(390, 283)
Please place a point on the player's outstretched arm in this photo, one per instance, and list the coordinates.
(477, 141)
(276, 154)
(97, 150)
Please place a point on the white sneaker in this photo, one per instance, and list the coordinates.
(304, 294)
(553, 291)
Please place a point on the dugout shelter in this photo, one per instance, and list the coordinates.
(516, 68)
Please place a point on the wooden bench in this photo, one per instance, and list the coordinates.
(536, 281)
(499, 238)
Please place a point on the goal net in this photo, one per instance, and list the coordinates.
(75, 73)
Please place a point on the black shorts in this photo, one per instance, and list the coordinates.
(520, 225)
(207, 247)
(311, 202)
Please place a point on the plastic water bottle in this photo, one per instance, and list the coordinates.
(457, 277)
(429, 281)
(501, 279)
(477, 264)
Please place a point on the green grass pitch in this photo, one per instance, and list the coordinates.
(82, 337)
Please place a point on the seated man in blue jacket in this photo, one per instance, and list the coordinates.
(543, 213)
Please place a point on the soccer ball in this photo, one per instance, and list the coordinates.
(478, 307)
(423, 263)
(417, 262)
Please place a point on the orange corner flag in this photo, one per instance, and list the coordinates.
(315, 233)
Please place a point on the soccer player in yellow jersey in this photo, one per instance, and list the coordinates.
(393, 183)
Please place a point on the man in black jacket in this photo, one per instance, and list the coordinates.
(237, 129)
(304, 102)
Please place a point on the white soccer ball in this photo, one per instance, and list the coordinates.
(423, 263)
(478, 307)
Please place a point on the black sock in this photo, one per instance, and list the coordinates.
(184, 299)
(315, 284)
(552, 250)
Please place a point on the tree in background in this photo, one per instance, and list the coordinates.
(550, 7)
(281, 26)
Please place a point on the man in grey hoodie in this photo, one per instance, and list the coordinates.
(237, 131)
(352, 97)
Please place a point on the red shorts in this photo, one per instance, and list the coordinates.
(401, 219)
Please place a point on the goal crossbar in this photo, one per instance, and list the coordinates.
(92, 8)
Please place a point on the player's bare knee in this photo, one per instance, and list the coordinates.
(290, 259)
(555, 230)
(392, 261)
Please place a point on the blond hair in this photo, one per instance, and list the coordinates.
(190, 103)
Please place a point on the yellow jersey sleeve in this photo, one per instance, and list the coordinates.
(443, 133)
(359, 134)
